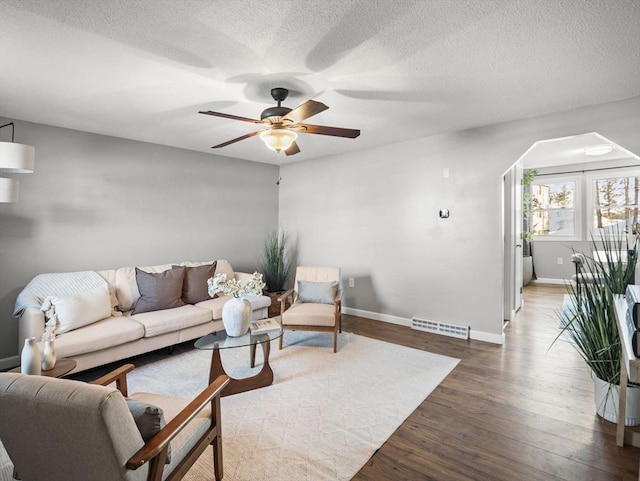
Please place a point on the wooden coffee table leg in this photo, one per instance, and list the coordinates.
(235, 386)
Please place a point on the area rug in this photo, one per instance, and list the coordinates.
(323, 417)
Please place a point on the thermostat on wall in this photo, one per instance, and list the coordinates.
(444, 213)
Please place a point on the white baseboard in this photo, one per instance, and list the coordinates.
(548, 280)
(487, 337)
(403, 321)
(376, 316)
(9, 362)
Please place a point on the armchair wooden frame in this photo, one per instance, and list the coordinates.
(288, 298)
(154, 451)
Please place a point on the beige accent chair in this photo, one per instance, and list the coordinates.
(65, 430)
(303, 315)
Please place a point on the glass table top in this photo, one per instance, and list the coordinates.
(227, 342)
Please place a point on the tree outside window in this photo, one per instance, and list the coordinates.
(616, 201)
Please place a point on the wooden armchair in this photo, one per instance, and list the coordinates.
(314, 302)
(60, 429)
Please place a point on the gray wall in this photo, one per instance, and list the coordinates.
(97, 202)
(375, 214)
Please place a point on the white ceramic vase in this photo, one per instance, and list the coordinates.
(30, 357)
(606, 397)
(236, 316)
(48, 356)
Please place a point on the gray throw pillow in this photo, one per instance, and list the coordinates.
(158, 291)
(149, 420)
(317, 292)
(194, 285)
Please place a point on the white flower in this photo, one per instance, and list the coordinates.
(50, 329)
(233, 287)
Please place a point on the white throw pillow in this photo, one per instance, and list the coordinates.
(79, 309)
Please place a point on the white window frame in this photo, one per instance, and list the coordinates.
(590, 204)
(577, 202)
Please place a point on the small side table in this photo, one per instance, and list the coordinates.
(63, 367)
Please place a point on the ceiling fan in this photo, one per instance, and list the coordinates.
(283, 124)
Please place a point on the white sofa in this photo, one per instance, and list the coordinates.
(94, 334)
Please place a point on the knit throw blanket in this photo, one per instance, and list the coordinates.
(57, 284)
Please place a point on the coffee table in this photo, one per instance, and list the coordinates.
(62, 367)
(220, 340)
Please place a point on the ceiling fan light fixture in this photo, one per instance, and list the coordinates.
(278, 139)
(598, 149)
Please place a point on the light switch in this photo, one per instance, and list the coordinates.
(444, 213)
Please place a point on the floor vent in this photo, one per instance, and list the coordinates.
(443, 328)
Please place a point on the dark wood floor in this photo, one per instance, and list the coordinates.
(515, 412)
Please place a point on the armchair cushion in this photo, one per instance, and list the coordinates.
(307, 314)
(149, 420)
(317, 292)
(189, 436)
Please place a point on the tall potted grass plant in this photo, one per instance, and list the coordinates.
(275, 265)
(588, 319)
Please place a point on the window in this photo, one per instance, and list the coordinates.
(614, 200)
(555, 213)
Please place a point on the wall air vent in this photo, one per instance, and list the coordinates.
(444, 328)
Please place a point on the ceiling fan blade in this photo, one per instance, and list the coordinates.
(293, 149)
(333, 131)
(238, 139)
(229, 116)
(305, 110)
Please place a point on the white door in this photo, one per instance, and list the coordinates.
(517, 236)
(512, 238)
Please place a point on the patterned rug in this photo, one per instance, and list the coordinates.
(323, 417)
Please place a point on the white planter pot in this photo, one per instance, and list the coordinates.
(607, 396)
(236, 316)
(527, 270)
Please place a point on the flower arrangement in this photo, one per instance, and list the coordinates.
(233, 287)
(49, 331)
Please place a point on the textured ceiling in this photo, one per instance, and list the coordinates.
(395, 69)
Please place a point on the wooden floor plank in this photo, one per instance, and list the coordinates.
(521, 411)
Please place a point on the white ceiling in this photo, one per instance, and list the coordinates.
(395, 69)
(572, 150)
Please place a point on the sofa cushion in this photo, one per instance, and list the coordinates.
(103, 334)
(168, 320)
(159, 291)
(194, 285)
(77, 310)
(224, 267)
(127, 287)
(215, 305)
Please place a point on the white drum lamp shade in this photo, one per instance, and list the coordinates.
(8, 190)
(16, 158)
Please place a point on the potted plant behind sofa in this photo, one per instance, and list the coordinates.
(588, 320)
(275, 266)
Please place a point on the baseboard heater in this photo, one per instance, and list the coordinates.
(444, 328)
